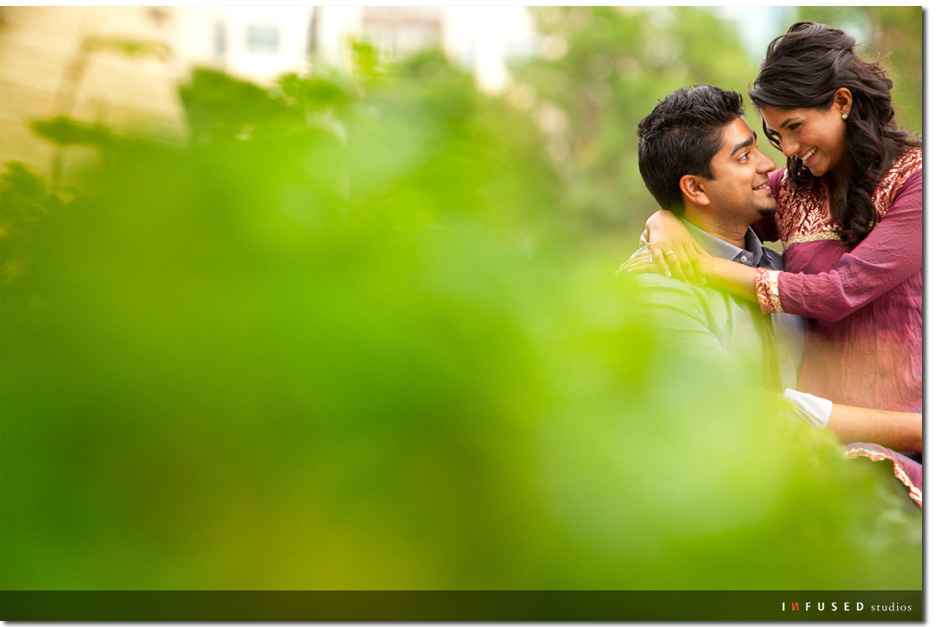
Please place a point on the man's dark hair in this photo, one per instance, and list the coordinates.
(680, 136)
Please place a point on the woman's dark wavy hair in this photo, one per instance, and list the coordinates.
(803, 68)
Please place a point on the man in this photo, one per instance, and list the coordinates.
(699, 159)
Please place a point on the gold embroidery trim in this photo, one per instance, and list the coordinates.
(768, 295)
(774, 291)
(812, 237)
(916, 495)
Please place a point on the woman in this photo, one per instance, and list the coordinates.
(849, 207)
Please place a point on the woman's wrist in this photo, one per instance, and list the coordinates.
(660, 218)
(708, 268)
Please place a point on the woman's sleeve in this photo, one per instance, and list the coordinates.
(887, 257)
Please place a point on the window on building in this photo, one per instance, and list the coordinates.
(313, 42)
(399, 31)
(263, 38)
(219, 41)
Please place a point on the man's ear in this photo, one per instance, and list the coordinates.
(693, 188)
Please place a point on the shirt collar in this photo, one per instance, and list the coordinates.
(750, 255)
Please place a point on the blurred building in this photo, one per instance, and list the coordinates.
(256, 43)
(109, 65)
(259, 43)
(120, 65)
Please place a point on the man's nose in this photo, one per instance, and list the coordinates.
(766, 164)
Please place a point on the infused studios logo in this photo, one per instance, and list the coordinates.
(809, 606)
(843, 607)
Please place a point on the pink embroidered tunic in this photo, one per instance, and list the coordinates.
(864, 304)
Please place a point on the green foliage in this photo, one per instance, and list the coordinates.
(221, 107)
(134, 48)
(348, 338)
(614, 64)
(892, 35)
(604, 68)
(64, 131)
(23, 194)
(315, 93)
(24, 201)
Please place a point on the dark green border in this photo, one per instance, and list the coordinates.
(659, 605)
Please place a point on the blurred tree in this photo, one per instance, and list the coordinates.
(345, 339)
(893, 35)
(602, 70)
(60, 129)
(24, 201)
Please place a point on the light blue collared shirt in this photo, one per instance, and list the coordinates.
(734, 325)
(709, 320)
(789, 329)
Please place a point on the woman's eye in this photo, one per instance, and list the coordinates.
(793, 127)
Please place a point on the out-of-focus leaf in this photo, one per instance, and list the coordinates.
(24, 200)
(315, 93)
(128, 47)
(64, 131)
(222, 107)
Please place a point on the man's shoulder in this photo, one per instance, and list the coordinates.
(655, 281)
(661, 291)
(671, 297)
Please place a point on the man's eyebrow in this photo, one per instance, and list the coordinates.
(745, 144)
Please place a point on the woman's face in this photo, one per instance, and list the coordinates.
(815, 136)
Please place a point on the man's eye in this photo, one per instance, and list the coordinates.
(744, 157)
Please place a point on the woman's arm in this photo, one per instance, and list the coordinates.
(731, 276)
(888, 256)
(901, 431)
(898, 430)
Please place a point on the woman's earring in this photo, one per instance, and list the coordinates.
(845, 116)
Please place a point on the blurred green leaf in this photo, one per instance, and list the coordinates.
(315, 93)
(64, 131)
(24, 201)
(222, 107)
(128, 47)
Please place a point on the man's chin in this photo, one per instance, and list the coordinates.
(767, 211)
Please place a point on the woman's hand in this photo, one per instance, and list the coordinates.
(645, 262)
(641, 263)
(673, 249)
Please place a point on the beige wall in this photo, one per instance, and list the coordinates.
(38, 45)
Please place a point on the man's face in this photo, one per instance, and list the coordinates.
(739, 190)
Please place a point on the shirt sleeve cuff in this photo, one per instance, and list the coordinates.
(811, 409)
(768, 296)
